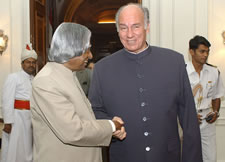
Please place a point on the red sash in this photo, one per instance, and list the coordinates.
(22, 105)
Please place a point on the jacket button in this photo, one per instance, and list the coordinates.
(146, 133)
(141, 90)
(147, 148)
(144, 119)
(143, 104)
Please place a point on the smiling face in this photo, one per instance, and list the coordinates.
(79, 63)
(200, 55)
(132, 30)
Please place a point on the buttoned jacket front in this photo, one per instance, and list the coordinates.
(148, 91)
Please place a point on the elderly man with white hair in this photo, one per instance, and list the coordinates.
(17, 132)
(64, 125)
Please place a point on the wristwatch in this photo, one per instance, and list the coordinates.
(217, 113)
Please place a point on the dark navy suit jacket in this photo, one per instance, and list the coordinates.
(148, 91)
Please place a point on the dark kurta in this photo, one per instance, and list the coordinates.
(148, 91)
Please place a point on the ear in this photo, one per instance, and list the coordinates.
(192, 52)
(148, 28)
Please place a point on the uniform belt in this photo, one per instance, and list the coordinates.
(22, 105)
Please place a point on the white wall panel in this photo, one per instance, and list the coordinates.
(184, 25)
(16, 12)
(5, 58)
(216, 24)
(147, 4)
(216, 27)
(166, 24)
(175, 22)
(201, 18)
(154, 22)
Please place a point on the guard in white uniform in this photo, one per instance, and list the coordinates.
(207, 88)
(17, 132)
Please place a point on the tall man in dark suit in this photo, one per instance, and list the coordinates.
(149, 88)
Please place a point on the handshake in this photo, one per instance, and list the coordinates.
(120, 132)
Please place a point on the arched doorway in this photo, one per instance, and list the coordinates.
(47, 15)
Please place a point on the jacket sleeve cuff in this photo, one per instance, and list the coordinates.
(113, 125)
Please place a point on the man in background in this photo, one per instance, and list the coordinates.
(84, 77)
(207, 89)
(17, 132)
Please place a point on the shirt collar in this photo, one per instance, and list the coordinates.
(140, 51)
(140, 55)
(191, 69)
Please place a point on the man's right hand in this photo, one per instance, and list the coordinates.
(7, 128)
(199, 118)
(117, 125)
(120, 130)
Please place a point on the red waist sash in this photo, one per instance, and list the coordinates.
(22, 105)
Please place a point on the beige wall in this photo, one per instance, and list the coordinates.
(14, 20)
(216, 26)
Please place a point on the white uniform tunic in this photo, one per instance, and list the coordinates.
(17, 146)
(212, 88)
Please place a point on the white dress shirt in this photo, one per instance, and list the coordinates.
(211, 83)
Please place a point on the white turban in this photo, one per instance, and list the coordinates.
(28, 52)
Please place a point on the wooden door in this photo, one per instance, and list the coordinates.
(38, 30)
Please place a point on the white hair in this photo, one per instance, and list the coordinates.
(143, 9)
(69, 40)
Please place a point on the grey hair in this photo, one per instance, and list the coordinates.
(69, 40)
(143, 9)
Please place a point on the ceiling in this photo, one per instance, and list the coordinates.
(88, 12)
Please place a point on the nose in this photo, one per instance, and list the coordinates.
(90, 56)
(129, 32)
(206, 54)
(33, 64)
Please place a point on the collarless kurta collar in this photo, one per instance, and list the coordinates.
(61, 68)
(140, 55)
(25, 74)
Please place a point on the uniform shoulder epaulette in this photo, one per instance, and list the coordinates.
(214, 67)
(211, 65)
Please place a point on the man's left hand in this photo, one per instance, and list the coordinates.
(213, 118)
